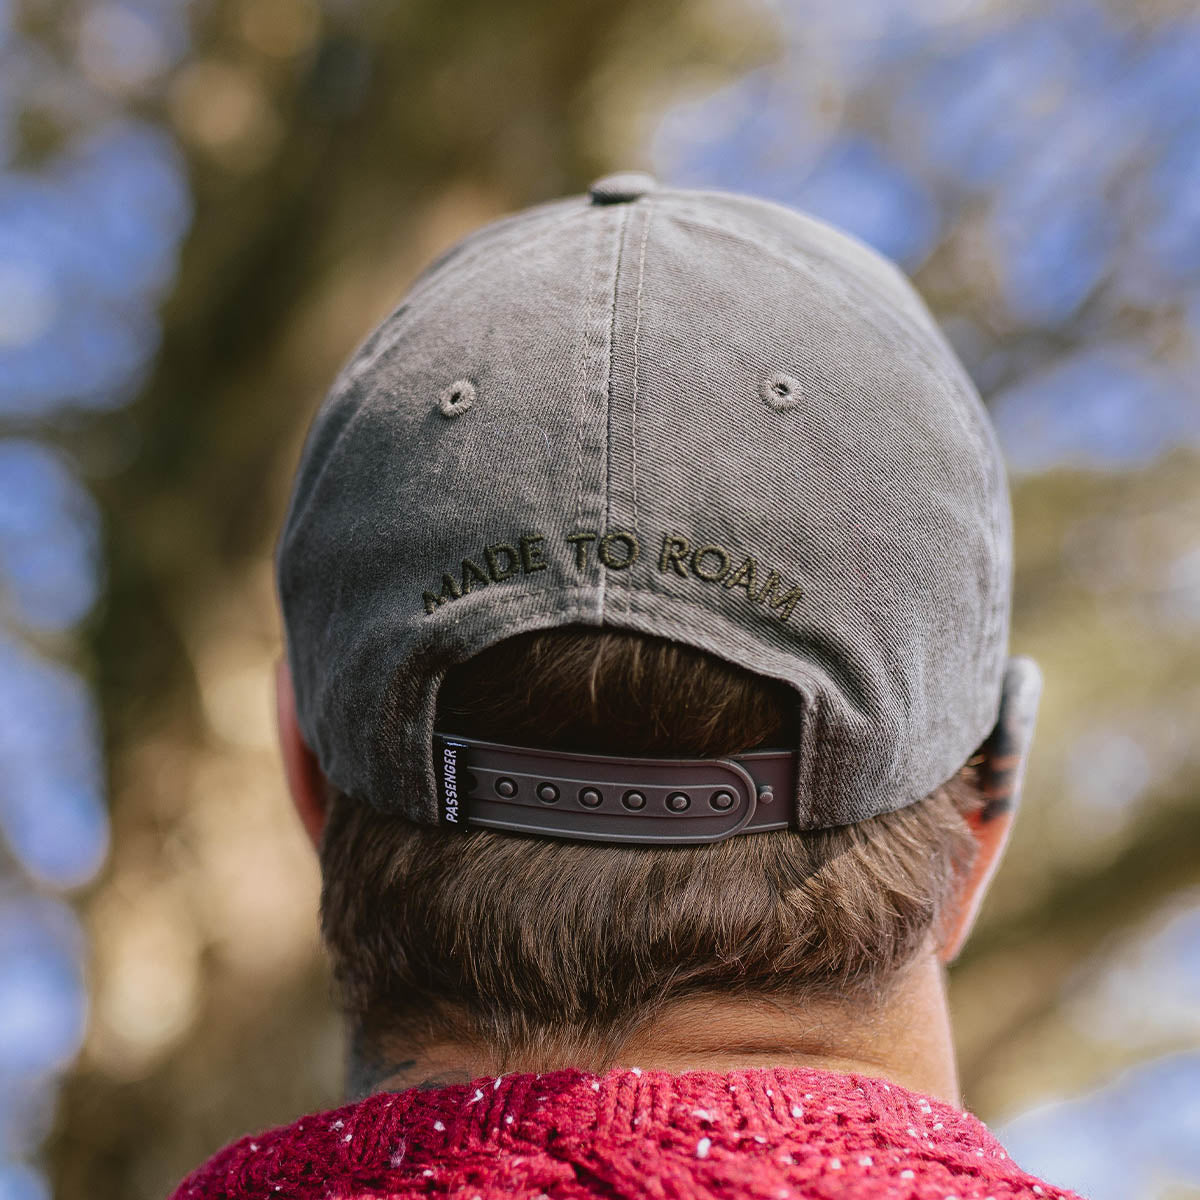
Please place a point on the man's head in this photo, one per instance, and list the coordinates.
(650, 474)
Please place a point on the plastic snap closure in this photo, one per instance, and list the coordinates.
(621, 187)
(506, 786)
(722, 801)
(590, 798)
(634, 800)
(547, 793)
(678, 801)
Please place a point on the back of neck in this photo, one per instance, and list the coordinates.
(903, 1037)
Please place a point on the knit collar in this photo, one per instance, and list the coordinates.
(788, 1126)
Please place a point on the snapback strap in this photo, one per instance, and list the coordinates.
(598, 797)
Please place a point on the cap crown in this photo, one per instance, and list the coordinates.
(697, 415)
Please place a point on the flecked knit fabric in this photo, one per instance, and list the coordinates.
(768, 1134)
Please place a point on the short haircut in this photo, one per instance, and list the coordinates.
(524, 943)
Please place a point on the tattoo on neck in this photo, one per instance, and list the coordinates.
(369, 1070)
(444, 1079)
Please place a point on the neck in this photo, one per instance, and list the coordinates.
(904, 1038)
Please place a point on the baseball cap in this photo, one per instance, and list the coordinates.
(693, 414)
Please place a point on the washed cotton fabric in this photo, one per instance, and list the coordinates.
(774, 1134)
(695, 415)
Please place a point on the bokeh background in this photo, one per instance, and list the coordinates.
(204, 204)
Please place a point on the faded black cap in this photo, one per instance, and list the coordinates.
(692, 414)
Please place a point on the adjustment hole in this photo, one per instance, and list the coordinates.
(780, 391)
(454, 400)
(723, 800)
(679, 801)
(590, 798)
(506, 786)
(634, 800)
(547, 793)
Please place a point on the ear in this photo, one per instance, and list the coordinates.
(305, 780)
(1001, 759)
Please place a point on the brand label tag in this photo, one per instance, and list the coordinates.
(450, 765)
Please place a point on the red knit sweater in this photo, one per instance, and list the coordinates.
(771, 1134)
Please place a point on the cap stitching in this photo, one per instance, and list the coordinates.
(780, 391)
(637, 330)
(454, 399)
(591, 289)
(612, 327)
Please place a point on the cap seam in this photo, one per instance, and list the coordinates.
(612, 329)
(584, 338)
(637, 331)
(303, 498)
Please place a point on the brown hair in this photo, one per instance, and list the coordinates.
(520, 942)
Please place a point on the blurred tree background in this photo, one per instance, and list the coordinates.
(204, 204)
